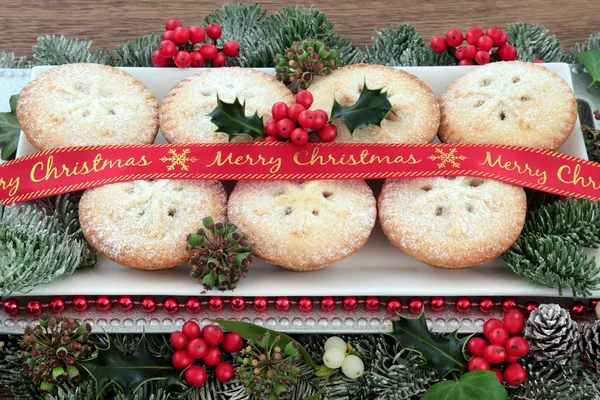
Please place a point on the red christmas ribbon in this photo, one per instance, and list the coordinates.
(70, 169)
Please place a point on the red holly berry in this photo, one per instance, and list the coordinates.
(305, 98)
(209, 51)
(271, 128)
(498, 374)
(212, 357)
(219, 60)
(306, 119)
(172, 24)
(482, 57)
(294, 111)
(454, 37)
(167, 49)
(191, 330)
(327, 133)
(214, 31)
(495, 34)
(182, 35)
(466, 61)
(538, 61)
(213, 334)
(197, 60)
(195, 375)
(485, 43)
(490, 325)
(279, 110)
(511, 359)
(473, 35)
(178, 340)
(181, 359)
(197, 348)
(159, 61)
(320, 119)
(514, 321)
(285, 127)
(460, 52)
(517, 346)
(271, 139)
(498, 336)
(231, 49)
(438, 44)
(183, 59)
(197, 34)
(507, 53)
(515, 374)
(476, 346)
(495, 353)
(478, 363)
(470, 51)
(224, 372)
(169, 35)
(232, 342)
(503, 39)
(299, 137)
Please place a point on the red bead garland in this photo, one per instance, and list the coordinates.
(327, 303)
(350, 303)
(416, 305)
(193, 305)
(215, 303)
(578, 309)
(103, 303)
(486, 305)
(170, 305)
(282, 303)
(463, 304)
(148, 304)
(530, 306)
(80, 303)
(372, 303)
(125, 303)
(394, 305)
(237, 303)
(305, 304)
(508, 303)
(260, 303)
(34, 308)
(11, 306)
(437, 303)
(57, 304)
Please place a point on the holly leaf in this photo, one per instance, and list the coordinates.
(474, 385)
(9, 130)
(591, 61)
(230, 118)
(129, 371)
(444, 355)
(370, 109)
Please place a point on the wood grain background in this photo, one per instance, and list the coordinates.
(110, 22)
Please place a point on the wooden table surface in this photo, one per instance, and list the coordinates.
(110, 23)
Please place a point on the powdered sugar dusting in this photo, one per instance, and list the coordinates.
(144, 224)
(452, 222)
(303, 225)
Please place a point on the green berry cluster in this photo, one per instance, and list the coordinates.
(51, 349)
(302, 62)
(220, 255)
(266, 370)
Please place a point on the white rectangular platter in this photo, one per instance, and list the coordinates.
(378, 268)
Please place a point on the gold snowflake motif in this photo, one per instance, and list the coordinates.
(449, 157)
(178, 159)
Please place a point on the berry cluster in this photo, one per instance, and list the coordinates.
(204, 345)
(480, 46)
(502, 348)
(336, 356)
(183, 47)
(294, 121)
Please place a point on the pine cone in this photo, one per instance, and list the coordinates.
(552, 334)
(589, 346)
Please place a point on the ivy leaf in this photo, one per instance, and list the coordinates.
(129, 371)
(443, 355)
(230, 118)
(9, 130)
(370, 109)
(591, 60)
(474, 385)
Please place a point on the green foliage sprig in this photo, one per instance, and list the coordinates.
(9, 60)
(58, 50)
(534, 42)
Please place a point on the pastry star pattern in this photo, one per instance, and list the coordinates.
(450, 157)
(179, 159)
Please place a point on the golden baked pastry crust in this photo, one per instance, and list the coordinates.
(144, 224)
(510, 103)
(303, 226)
(452, 222)
(417, 111)
(185, 110)
(86, 105)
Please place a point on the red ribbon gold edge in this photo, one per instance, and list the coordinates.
(70, 169)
